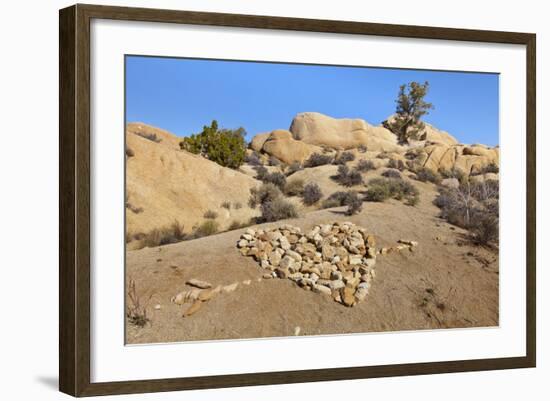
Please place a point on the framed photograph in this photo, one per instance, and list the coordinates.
(250, 200)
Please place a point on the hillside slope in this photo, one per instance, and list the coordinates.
(446, 282)
(165, 184)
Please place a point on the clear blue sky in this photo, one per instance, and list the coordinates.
(182, 95)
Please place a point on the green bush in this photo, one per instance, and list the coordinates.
(226, 205)
(223, 146)
(311, 194)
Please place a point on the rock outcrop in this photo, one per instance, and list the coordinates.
(469, 159)
(165, 184)
(314, 132)
(321, 130)
(284, 147)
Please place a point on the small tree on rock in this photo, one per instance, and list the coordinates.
(411, 107)
(223, 146)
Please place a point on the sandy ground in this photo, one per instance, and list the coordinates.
(444, 283)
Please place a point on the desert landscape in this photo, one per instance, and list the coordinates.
(331, 226)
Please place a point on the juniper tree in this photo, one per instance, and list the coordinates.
(411, 107)
(223, 146)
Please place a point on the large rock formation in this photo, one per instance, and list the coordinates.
(314, 132)
(318, 129)
(469, 159)
(165, 184)
(283, 146)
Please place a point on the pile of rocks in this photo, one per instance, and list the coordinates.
(334, 259)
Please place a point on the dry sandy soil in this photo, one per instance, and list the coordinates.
(446, 282)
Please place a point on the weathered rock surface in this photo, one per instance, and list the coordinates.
(165, 184)
(321, 130)
(283, 146)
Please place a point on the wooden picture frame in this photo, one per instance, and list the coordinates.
(74, 199)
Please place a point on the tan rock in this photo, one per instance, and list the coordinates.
(321, 130)
(199, 283)
(192, 309)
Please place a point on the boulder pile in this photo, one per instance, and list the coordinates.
(333, 259)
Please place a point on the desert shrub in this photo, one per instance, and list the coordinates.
(347, 177)
(275, 178)
(130, 152)
(473, 207)
(344, 158)
(210, 214)
(236, 224)
(354, 203)
(427, 175)
(490, 168)
(261, 172)
(365, 165)
(362, 149)
(312, 194)
(396, 164)
(152, 137)
(273, 161)
(265, 193)
(226, 205)
(163, 236)
(485, 230)
(381, 189)
(317, 159)
(292, 168)
(277, 209)
(340, 198)
(294, 187)
(136, 309)
(237, 205)
(223, 146)
(392, 173)
(209, 227)
(453, 173)
(253, 159)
